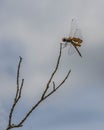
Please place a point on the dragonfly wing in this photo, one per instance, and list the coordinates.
(75, 30)
(71, 50)
(77, 33)
(73, 27)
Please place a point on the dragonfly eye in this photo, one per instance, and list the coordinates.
(64, 39)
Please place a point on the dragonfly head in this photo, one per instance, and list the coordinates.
(64, 39)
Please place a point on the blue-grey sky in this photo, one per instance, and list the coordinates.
(33, 29)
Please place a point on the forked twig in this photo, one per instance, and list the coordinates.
(17, 96)
(56, 68)
(43, 97)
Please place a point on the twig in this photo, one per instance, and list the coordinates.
(53, 85)
(43, 97)
(57, 65)
(47, 86)
(36, 105)
(17, 96)
(58, 85)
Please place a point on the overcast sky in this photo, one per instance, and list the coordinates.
(33, 29)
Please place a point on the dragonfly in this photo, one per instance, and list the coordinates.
(74, 37)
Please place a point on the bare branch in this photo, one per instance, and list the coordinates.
(17, 96)
(58, 85)
(29, 112)
(43, 97)
(64, 80)
(54, 89)
(20, 90)
(36, 105)
(57, 65)
(18, 73)
(47, 86)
